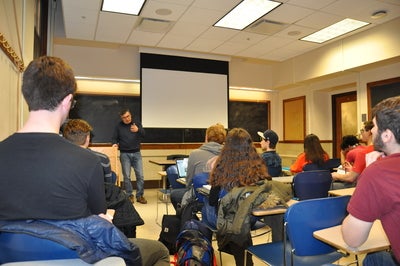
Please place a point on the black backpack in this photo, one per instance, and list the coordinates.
(170, 228)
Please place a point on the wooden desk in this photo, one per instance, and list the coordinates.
(377, 240)
(284, 179)
(342, 192)
(181, 180)
(163, 162)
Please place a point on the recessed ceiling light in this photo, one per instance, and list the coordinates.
(246, 13)
(163, 11)
(123, 6)
(379, 14)
(335, 30)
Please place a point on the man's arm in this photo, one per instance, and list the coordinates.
(348, 177)
(355, 231)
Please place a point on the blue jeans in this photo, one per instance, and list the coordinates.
(382, 258)
(133, 160)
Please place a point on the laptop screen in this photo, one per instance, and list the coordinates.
(181, 164)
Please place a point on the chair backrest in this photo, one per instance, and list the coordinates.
(199, 180)
(23, 247)
(172, 176)
(305, 217)
(312, 184)
(328, 165)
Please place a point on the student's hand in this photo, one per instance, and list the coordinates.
(109, 216)
(115, 145)
(372, 157)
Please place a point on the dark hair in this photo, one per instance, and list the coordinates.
(46, 82)
(123, 111)
(239, 164)
(349, 141)
(313, 149)
(387, 116)
(368, 125)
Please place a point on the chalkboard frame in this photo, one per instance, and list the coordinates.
(380, 90)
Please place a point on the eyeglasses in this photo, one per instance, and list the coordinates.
(73, 104)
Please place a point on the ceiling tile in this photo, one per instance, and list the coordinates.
(115, 27)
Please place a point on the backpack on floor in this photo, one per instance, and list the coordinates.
(170, 228)
(194, 247)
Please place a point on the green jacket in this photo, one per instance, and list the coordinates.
(233, 222)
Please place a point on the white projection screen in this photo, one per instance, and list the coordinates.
(181, 92)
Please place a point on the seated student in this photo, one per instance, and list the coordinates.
(272, 160)
(313, 153)
(239, 166)
(378, 188)
(126, 217)
(357, 159)
(55, 179)
(78, 132)
(215, 137)
(354, 163)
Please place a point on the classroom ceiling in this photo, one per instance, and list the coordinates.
(188, 25)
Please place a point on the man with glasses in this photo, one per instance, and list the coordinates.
(355, 160)
(128, 135)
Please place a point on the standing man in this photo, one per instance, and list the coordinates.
(377, 194)
(272, 160)
(128, 135)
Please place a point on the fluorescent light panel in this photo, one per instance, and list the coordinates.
(335, 30)
(131, 7)
(246, 13)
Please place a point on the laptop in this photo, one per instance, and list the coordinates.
(181, 164)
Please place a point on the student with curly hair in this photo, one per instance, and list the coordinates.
(240, 166)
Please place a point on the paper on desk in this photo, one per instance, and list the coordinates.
(207, 187)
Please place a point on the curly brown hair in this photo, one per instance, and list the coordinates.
(239, 164)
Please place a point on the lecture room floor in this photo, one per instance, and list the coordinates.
(151, 229)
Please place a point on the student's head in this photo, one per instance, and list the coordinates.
(386, 118)
(348, 143)
(269, 137)
(216, 133)
(126, 116)
(313, 149)
(365, 131)
(239, 164)
(46, 82)
(77, 131)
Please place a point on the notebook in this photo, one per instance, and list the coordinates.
(181, 164)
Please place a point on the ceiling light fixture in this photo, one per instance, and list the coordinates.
(379, 14)
(123, 6)
(246, 13)
(335, 30)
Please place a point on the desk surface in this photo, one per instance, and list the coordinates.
(376, 241)
(284, 179)
(342, 192)
(181, 180)
(163, 162)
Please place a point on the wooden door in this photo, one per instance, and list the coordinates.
(344, 110)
